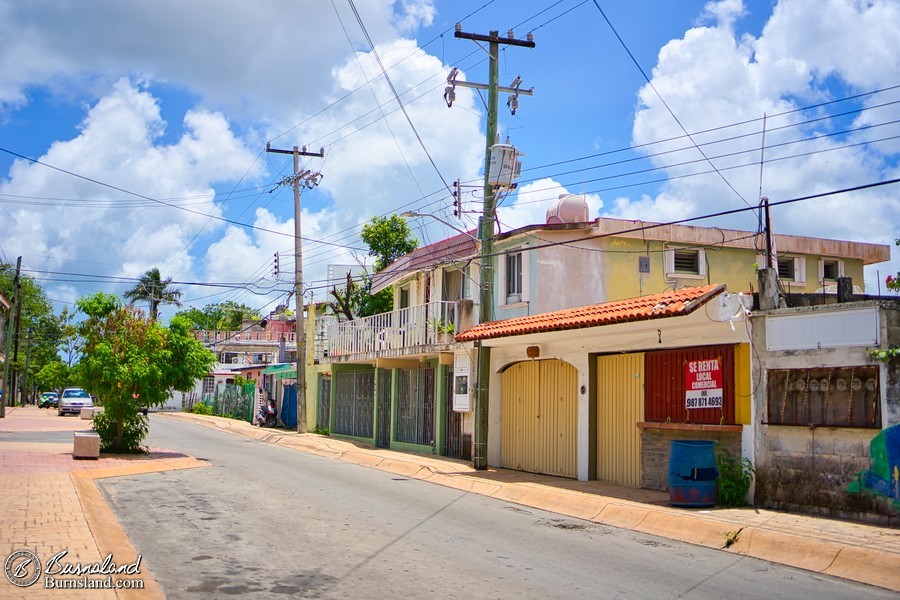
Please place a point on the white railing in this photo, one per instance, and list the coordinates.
(396, 333)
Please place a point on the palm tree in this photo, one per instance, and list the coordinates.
(155, 290)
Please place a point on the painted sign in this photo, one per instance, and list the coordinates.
(703, 384)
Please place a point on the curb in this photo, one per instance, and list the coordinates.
(108, 533)
(867, 564)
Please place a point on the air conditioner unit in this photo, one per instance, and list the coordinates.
(235, 360)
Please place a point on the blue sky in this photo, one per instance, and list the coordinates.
(159, 105)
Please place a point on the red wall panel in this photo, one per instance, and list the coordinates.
(665, 387)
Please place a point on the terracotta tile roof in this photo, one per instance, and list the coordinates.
(643, 308)
(445, 251)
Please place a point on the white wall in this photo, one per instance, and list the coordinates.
(576, 346)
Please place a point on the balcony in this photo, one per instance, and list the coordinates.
(417, 330)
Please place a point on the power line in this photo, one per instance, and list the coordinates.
(170, 205)
(671, 112)
(390, 83)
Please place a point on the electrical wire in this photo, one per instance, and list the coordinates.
(671, 112)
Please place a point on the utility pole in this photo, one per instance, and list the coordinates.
(13, 389)
(486, 223)
(310, 180)
(9, 336)
(26, 386)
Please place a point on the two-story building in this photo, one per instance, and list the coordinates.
(404, 388)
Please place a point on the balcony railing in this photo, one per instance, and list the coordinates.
(417, 329)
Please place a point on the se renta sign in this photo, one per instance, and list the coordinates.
(703, 383)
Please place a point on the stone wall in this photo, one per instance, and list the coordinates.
(655, 450)
(808, 469)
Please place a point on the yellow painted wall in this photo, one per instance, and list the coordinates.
(620, 406)
(540, 417)
(742, 383)
(735, 267)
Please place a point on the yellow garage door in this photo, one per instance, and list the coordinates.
(620, 405)
(540, 417)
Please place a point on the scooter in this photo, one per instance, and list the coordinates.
(266, 416)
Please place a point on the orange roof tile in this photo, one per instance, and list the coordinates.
(643, 308)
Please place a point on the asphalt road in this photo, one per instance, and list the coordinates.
(267, 521)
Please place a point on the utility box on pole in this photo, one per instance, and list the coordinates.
(504, 166)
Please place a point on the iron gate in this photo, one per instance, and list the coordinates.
(354, 403)
(457, 445)
(323, 416)
(383, 410)
(415, 406)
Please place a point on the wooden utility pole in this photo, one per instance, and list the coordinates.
(309, 179)
(486, 232)
(9, 336)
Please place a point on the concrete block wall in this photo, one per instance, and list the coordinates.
(807, 470)
(655, 450)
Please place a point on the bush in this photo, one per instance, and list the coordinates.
(735, 477)
(202, 409)
(134, 430)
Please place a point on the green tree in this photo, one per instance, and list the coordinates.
(53, 376)
(388, 238)
(154, 290)
(130, 362)
(226, 316)
(39, 328)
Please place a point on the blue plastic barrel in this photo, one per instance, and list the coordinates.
(693, 475)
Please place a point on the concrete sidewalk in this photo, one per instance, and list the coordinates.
(855, 551)
(51, 503)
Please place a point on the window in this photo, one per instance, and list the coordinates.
(785, 268)
(792, 268)
(682, 262)
(513, 278)
(829, 396)
(830, 269)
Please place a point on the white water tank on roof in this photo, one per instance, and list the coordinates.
(570, 208)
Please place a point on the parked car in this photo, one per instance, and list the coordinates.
(49, 400)
(73, 400)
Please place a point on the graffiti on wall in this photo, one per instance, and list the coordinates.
(883, 479)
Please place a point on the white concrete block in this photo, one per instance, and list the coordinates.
(87, 445)
(87, 413)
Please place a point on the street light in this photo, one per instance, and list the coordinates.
(411, 214)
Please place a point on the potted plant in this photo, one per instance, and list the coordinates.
(444, 330)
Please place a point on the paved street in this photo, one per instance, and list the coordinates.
(267, 521)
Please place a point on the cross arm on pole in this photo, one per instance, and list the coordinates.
(303, 152)
(494, 38)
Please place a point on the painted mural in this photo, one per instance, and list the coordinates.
(883, 479)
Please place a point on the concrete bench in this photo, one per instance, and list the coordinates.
(87, 445)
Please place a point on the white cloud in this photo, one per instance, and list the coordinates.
(710, 78)
(249, 58)
(78, 221)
